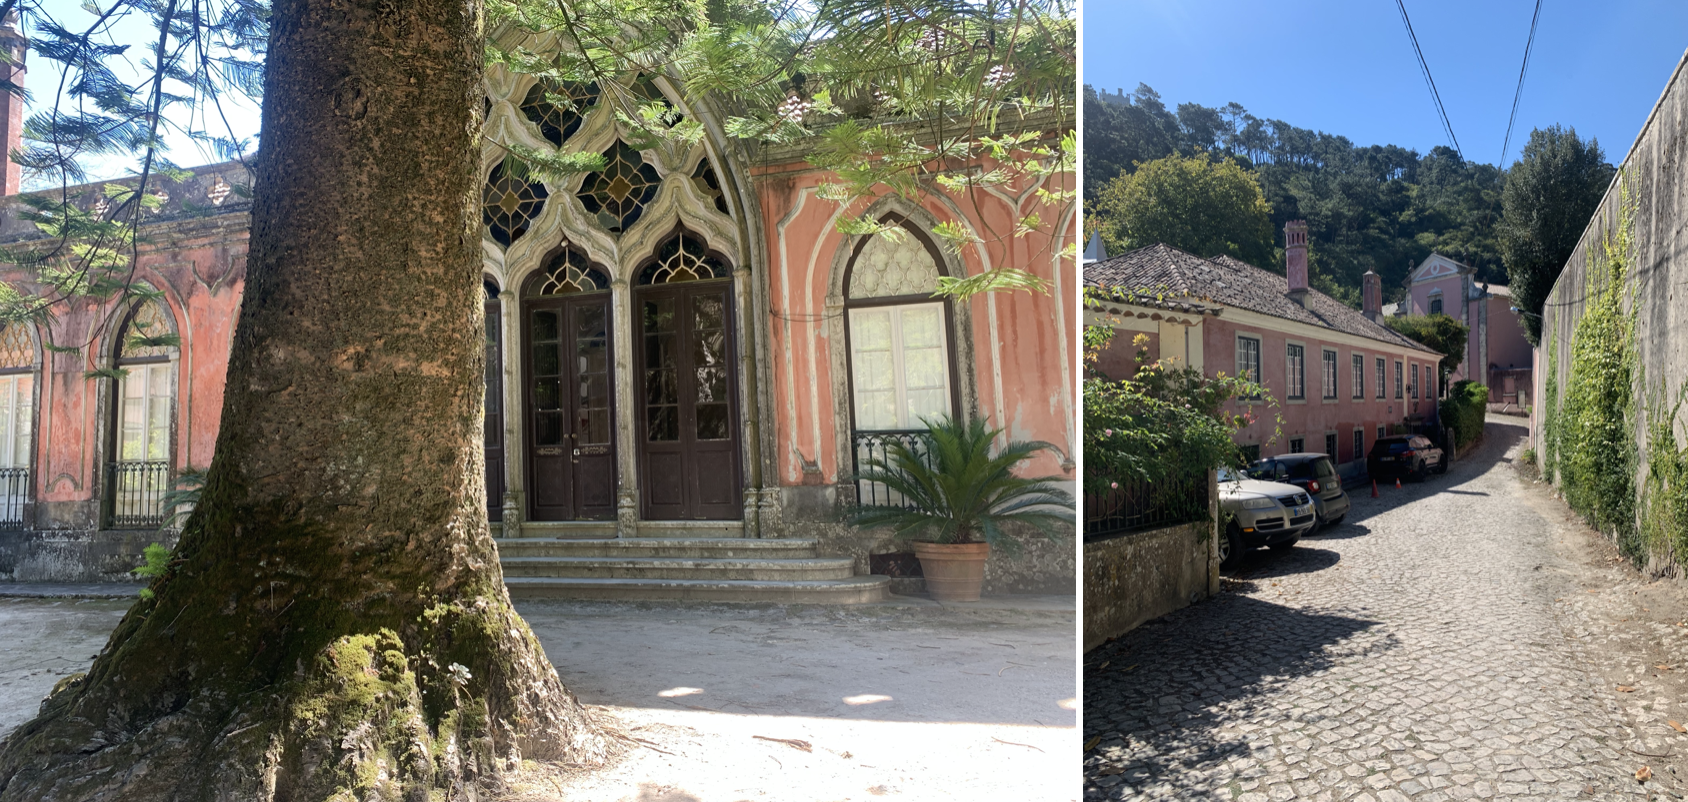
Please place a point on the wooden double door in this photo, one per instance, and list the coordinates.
(570, 429)
(684, 385)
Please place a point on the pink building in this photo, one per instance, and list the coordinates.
(1341, 378)
(682, 345)
(1496, 352)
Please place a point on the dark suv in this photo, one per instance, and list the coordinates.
(1409, 455)
(1313, 473)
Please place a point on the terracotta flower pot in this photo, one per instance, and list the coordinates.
(954, 571)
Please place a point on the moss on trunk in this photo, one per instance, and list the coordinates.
(335, 624)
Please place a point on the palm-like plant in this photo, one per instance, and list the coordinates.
(957, 491)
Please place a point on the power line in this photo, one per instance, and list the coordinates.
(1531, 43)
(1431, 82)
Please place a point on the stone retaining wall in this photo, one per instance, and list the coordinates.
(1143, 575)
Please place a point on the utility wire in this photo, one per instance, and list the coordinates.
(1528, 45)
(1431, 82)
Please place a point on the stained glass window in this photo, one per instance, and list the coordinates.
(683, 257)
(707, 183)
(618, 193)
(558, 121)
(645, 91)
(569, 271)
(509, 205)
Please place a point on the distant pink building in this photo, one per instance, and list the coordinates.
(1341, 378)
(1496, 353)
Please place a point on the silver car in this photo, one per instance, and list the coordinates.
(1260, 513)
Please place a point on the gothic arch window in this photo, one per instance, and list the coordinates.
(558, 121)
(509, 205)
(707, 183)
(139, 472)
(568, 271)
(17, 421)
(617, 194)
(900, 351)
(683, 257)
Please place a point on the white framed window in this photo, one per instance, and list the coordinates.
(1414, 385)
(1399, 378)
(1330, 446)
(1328, 363)
(1359, 444)
(1297, 445)
(143, 403)
(1382, 379)
(17, 422)
(899, 365)
(1295, 366)
(1248, 357)
(1436, 302)
(1359, 376)
(143, 416)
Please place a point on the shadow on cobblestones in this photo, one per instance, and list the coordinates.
(1304, 558)
(1180, 703)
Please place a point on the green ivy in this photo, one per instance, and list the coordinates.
(1464, 411)
(1597, 440)
(1664, 494)
(1550, 410)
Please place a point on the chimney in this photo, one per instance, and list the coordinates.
(11, 104)
(1371, 295)
(1295, 259)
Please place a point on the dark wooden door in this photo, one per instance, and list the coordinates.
(571, 418)
(688, 421)
(494, 428)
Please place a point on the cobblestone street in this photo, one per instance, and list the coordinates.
(1432, 647)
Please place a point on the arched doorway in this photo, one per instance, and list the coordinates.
(569, 399)
(687, 380)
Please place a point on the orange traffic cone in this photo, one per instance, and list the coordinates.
(1397, 483)
(1374, 488)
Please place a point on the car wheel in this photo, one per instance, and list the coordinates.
(1419, 472)
(1336, 520)
(1285, 545)
(1230, 548)
(1443, 468)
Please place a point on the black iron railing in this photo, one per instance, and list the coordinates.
(135, 494)
(1133, 506)
(14, 493)
(876, 446)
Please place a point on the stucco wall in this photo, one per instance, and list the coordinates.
(1145, 575)
(1656, 171)
(1314, 416)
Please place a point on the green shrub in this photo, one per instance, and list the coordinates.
(1464, 411)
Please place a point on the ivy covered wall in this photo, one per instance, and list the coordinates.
(1613, 361)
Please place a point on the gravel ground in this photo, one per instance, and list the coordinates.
(1434, 646)
(729, 703)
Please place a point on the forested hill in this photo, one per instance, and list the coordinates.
(1376, 207)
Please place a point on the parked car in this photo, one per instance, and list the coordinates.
(1313, 473)
(1410, 455)
(1261, 513)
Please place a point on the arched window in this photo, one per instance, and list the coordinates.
(899, 335)
(145, 397)
(1436, 302)
(17, 421)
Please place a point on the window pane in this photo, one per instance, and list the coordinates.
(870, 330)
(23, 421)
(923, 328)
(876, 409)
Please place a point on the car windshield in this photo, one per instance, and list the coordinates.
(1301, 470)
(1229, 475)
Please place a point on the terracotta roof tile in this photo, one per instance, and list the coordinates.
(1234, 283)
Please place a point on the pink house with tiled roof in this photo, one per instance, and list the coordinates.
(1496, 352)
(1340, 378)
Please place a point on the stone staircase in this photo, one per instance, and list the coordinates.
(689, 561)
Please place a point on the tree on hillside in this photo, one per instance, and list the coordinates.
(1442, 333)
(334, 623)
(1195, 203)
(1551, 192)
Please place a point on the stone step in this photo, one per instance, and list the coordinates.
(855, 590)
(644, 529)
(677, 568)
(707, 548)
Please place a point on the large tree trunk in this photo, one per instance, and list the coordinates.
(335, 624)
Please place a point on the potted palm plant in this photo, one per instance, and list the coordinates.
(957, 495)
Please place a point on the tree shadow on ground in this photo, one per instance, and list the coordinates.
(1164, 705)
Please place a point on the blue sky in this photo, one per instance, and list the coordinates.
(1347, 67)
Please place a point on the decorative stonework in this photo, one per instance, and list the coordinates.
(710, 185)
(558, 122)
(509, 205)
(17, 348)
(148, 320)
(886, 268)
(617, 194)
(570, 271)
(218, 191)
(683, 257)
